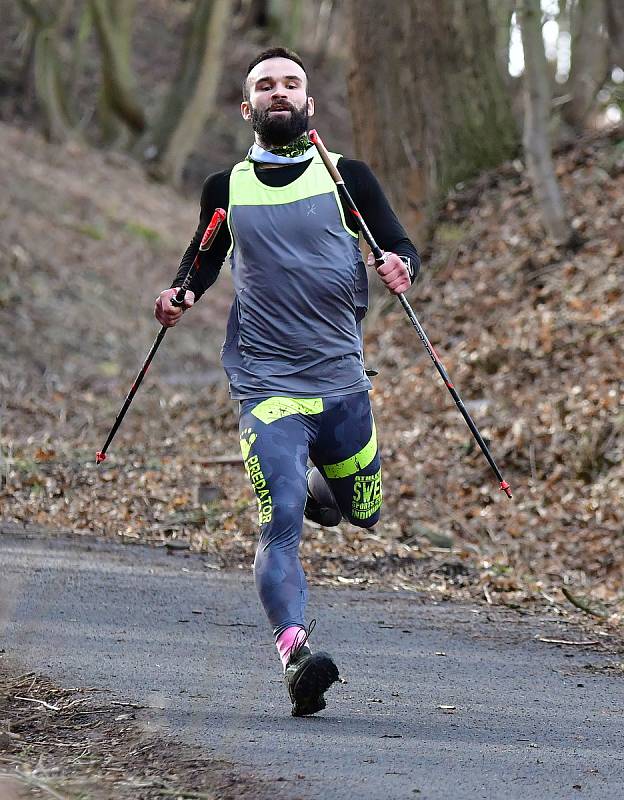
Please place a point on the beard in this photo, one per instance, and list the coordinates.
(278, 131)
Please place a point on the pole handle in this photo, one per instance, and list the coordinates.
(178, 300)
(207, 239)
(322, 150)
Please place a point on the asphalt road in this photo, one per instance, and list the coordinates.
(529, 719)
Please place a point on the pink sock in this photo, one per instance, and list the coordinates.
(287, 639)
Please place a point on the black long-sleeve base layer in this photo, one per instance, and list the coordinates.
(362, 185)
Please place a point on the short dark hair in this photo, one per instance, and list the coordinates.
(272, 52)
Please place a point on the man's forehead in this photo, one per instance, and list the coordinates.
(276, 68)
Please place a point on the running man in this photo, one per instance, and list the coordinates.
(293, 346)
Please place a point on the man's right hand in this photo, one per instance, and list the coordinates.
(167, 314)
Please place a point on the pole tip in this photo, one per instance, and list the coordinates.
(221, 214)
(313, 136)
(505, 487)
(99, 457)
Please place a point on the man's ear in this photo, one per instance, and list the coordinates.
(310, 101)
(245, 109)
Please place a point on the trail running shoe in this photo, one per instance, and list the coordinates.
(327, 516)
(308, 676)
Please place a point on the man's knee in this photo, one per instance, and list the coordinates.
(366, 500)
(364, 522)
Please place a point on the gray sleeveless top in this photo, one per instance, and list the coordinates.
(301, 289)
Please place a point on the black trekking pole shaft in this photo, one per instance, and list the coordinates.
(379, 258)
(207, 240)
(101, 454)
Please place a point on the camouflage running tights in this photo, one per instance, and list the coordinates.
(277, 435)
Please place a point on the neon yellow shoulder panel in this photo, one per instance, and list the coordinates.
(247, 190)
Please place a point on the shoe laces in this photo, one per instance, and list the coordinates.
(301, 640)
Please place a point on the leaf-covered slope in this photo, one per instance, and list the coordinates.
(533, 339)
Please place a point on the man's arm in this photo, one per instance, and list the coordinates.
(215, 194)
(376, 211)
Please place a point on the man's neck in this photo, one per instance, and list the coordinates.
(270, 146)
(260, 165)
(297, 150)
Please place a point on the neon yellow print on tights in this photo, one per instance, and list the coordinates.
(256, 476)
(367, 495)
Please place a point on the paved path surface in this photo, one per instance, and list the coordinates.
(531, 719)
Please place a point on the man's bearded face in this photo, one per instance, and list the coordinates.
(281, 123)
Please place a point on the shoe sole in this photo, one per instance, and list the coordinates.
(327, 517)
(315, 678)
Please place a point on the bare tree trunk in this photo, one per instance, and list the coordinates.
(428, 102)
(615, 27)
(321, 39)
(50, 85)
(590, 60)
(252, 14)
(285, 21)
(537, 101)
(113, 25)
(193, 93)
(501, 12)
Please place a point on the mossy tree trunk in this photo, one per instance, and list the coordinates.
(590, 60)
(192, 96)
(286, 21)
(428, 100)
(51, 86)
(118, 99)
(501, 12)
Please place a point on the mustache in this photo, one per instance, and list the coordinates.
(283, 106)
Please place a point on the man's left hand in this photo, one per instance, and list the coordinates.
(393, 272)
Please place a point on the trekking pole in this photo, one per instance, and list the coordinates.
(207, 240)
(379, 259)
